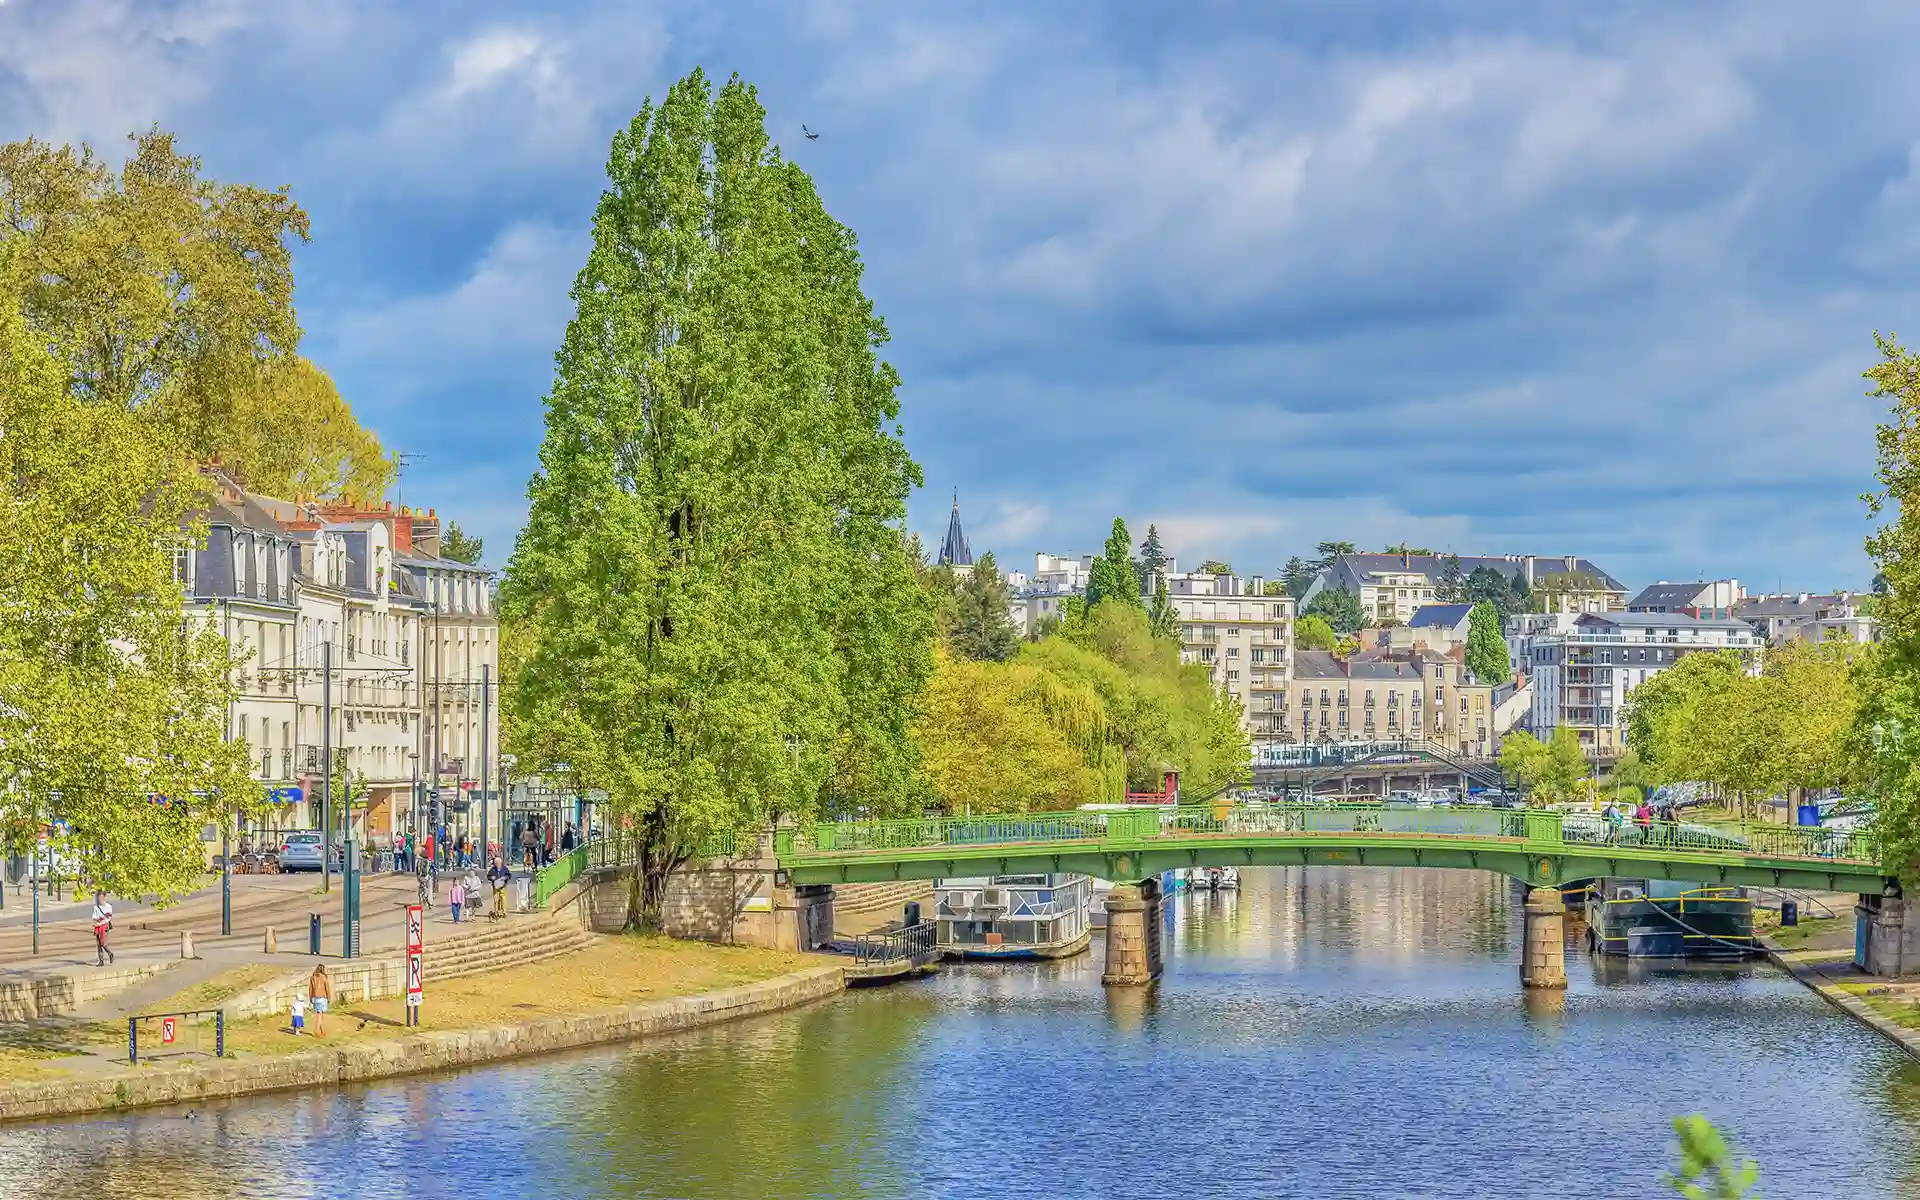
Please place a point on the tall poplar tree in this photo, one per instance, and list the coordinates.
(1487, 654)
(1113, 576)
(720, 623)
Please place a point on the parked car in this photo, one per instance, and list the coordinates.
(300, 851)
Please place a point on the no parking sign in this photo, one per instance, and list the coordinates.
(167, 1030)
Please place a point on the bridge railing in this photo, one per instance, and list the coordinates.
(1537, 827)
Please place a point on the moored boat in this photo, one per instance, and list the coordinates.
(1658, 918)
(1014, 916)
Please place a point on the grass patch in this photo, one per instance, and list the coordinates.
(43, 1049)
(1903, 1011)
(1792, 936)
(223, 987)
(614, 972)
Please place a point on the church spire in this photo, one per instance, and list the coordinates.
(953, 551)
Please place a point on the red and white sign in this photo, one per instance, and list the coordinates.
(167, 1030)
(415, 980)
(416, 928)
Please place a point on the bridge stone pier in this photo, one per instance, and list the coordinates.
(1543, 953)
(1133, 934)
(1891, 943)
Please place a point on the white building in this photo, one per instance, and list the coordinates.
(1582, 671)
(1810, 617)
(1245, 638)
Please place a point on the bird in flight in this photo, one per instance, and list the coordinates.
(811, 135)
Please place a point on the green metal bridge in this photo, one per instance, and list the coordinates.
(1543, 848)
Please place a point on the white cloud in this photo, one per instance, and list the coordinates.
(513, 304)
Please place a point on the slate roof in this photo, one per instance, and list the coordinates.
(953, 550)
(1351, 570)
(1668, 595)
(1634, 620)
(1439, 616)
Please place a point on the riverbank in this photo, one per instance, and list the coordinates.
(1819, 955)
(581, 999)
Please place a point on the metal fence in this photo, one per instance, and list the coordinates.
(913, 941)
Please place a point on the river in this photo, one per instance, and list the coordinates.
(1327, 1032)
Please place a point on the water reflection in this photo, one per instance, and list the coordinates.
(1324, 1032)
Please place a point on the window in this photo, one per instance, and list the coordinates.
(1440, 691)
(1233, 652)
(1393, 697)
(1233, 676)
(1343, 718)
(1343, 697)
(1259, 656)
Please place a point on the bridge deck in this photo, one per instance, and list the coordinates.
(1542, 847)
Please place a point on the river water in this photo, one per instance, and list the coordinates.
(1327, 1032)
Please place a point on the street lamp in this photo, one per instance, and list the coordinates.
(413, 796)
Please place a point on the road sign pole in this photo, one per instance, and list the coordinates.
(226, 883)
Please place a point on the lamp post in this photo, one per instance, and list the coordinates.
(413, 799)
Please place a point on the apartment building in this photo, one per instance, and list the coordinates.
(1246, 640)
(1810, 617)
(1583, 668)
(1419, 694)
(241, 583)
(1394, 586)
(1716, 599)
(346, 615)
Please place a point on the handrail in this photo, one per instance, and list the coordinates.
(1538, 828)
(894, 944)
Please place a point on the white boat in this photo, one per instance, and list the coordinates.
(1213, 879)
(1014, 916)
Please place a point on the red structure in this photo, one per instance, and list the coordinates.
(1169, 792)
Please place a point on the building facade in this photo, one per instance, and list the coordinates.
(1245, 639)
(1391, 587)
(1809, 617)
(1419, 695)
(1582, 671)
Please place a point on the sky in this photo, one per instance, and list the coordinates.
(1495, 277)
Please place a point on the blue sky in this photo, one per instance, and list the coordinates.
(1500, 276)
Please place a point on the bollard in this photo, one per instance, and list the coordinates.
(272, 943)
(313, 933)
(186, 943)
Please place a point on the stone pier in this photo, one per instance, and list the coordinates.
(1133, 934)
(1892, 933)
(1543, 952)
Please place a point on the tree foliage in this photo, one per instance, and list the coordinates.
(1888, 731)
(1214, 566)
(1406, 548)
(1451, 587)
(1297, 576)
(1340, 608)
(1560, 591)
(1153, 556)
(719, 602)
(170, 294)
(990, 743)
(109, 696)
(1554, 771)
(1163, 618)
(1484, 585)
(1325, 552)
(981, 626)
(1312, 632)
(460, 546)
(1113, 576)
(1708, 1169)
(1486, 649)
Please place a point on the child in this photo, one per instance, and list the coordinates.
(299, 1014)
(456, 897)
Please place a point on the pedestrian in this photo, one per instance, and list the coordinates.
(1643, 817)
(528, 841)
(102, 926)
(567, 841)
(299, 1015)
(320, 995)
(457, 896)
(499, 875)
(1614, 821)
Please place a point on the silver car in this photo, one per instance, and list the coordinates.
(300, 852)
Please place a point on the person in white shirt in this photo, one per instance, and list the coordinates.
(102, 925)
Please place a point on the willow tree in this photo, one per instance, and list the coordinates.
(169, 294)
(718, 618)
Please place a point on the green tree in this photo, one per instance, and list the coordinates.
(1312, 632)
(1163, 616)
(1297, 576)
(110, 694)
(1451, 587)
(1553, 771)
(1113, 577)
(1340, 608)
(1484, 585)
(1660, 713)
(1486, 648)
(1153, 556)
(1406, 548)
(1888, 734)
(1560, 591)
(1708, 1169)
(716, 595)
(1326, 552)
(459, 545)
(1214, 566)
(982, 628)
(170, 294)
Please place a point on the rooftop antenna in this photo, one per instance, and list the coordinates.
(402, 461)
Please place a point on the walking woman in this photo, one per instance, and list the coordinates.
(320, 996)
